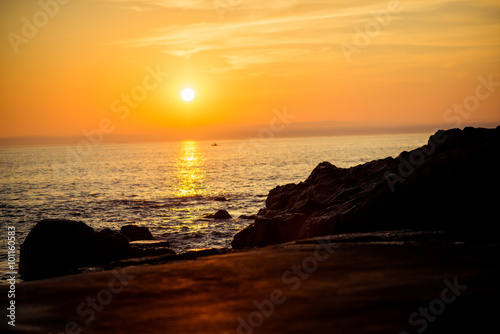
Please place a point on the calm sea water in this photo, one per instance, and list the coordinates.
(168, 187)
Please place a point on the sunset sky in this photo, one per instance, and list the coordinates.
(68, 67)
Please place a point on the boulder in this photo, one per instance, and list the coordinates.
(57, 246)
(221, 214)
(134, 232)
(54, 246)
(449, 184)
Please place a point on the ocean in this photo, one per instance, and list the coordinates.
(168, 186)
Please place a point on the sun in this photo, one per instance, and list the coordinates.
(187, 94)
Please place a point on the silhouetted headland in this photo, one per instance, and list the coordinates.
(450, 184)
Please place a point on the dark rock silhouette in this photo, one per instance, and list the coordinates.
(58, 246)
(55, 246)
(134, 232)
(449, 184)
(221, 214)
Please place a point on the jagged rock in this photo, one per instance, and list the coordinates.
(449, 184)
(221, 214)
(134, 232)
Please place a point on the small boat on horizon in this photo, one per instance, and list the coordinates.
(215, 144)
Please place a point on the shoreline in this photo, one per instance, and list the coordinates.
(376, 237)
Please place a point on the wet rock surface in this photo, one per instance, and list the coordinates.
(314, 287)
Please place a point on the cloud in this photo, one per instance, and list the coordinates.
(248, 42)
(263, 32)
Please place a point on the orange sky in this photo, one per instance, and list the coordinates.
(244, 60)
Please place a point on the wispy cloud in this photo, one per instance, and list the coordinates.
(277, 31)
(248, 42)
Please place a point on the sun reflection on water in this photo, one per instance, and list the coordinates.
(190, 171)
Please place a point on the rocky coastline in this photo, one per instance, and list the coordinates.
(450, 184)
(447, 185)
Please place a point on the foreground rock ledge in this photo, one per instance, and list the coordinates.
(452, 183)
(358, 288)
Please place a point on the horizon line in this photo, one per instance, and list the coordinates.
(293, 130)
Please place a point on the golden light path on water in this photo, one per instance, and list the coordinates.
(190, 171)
